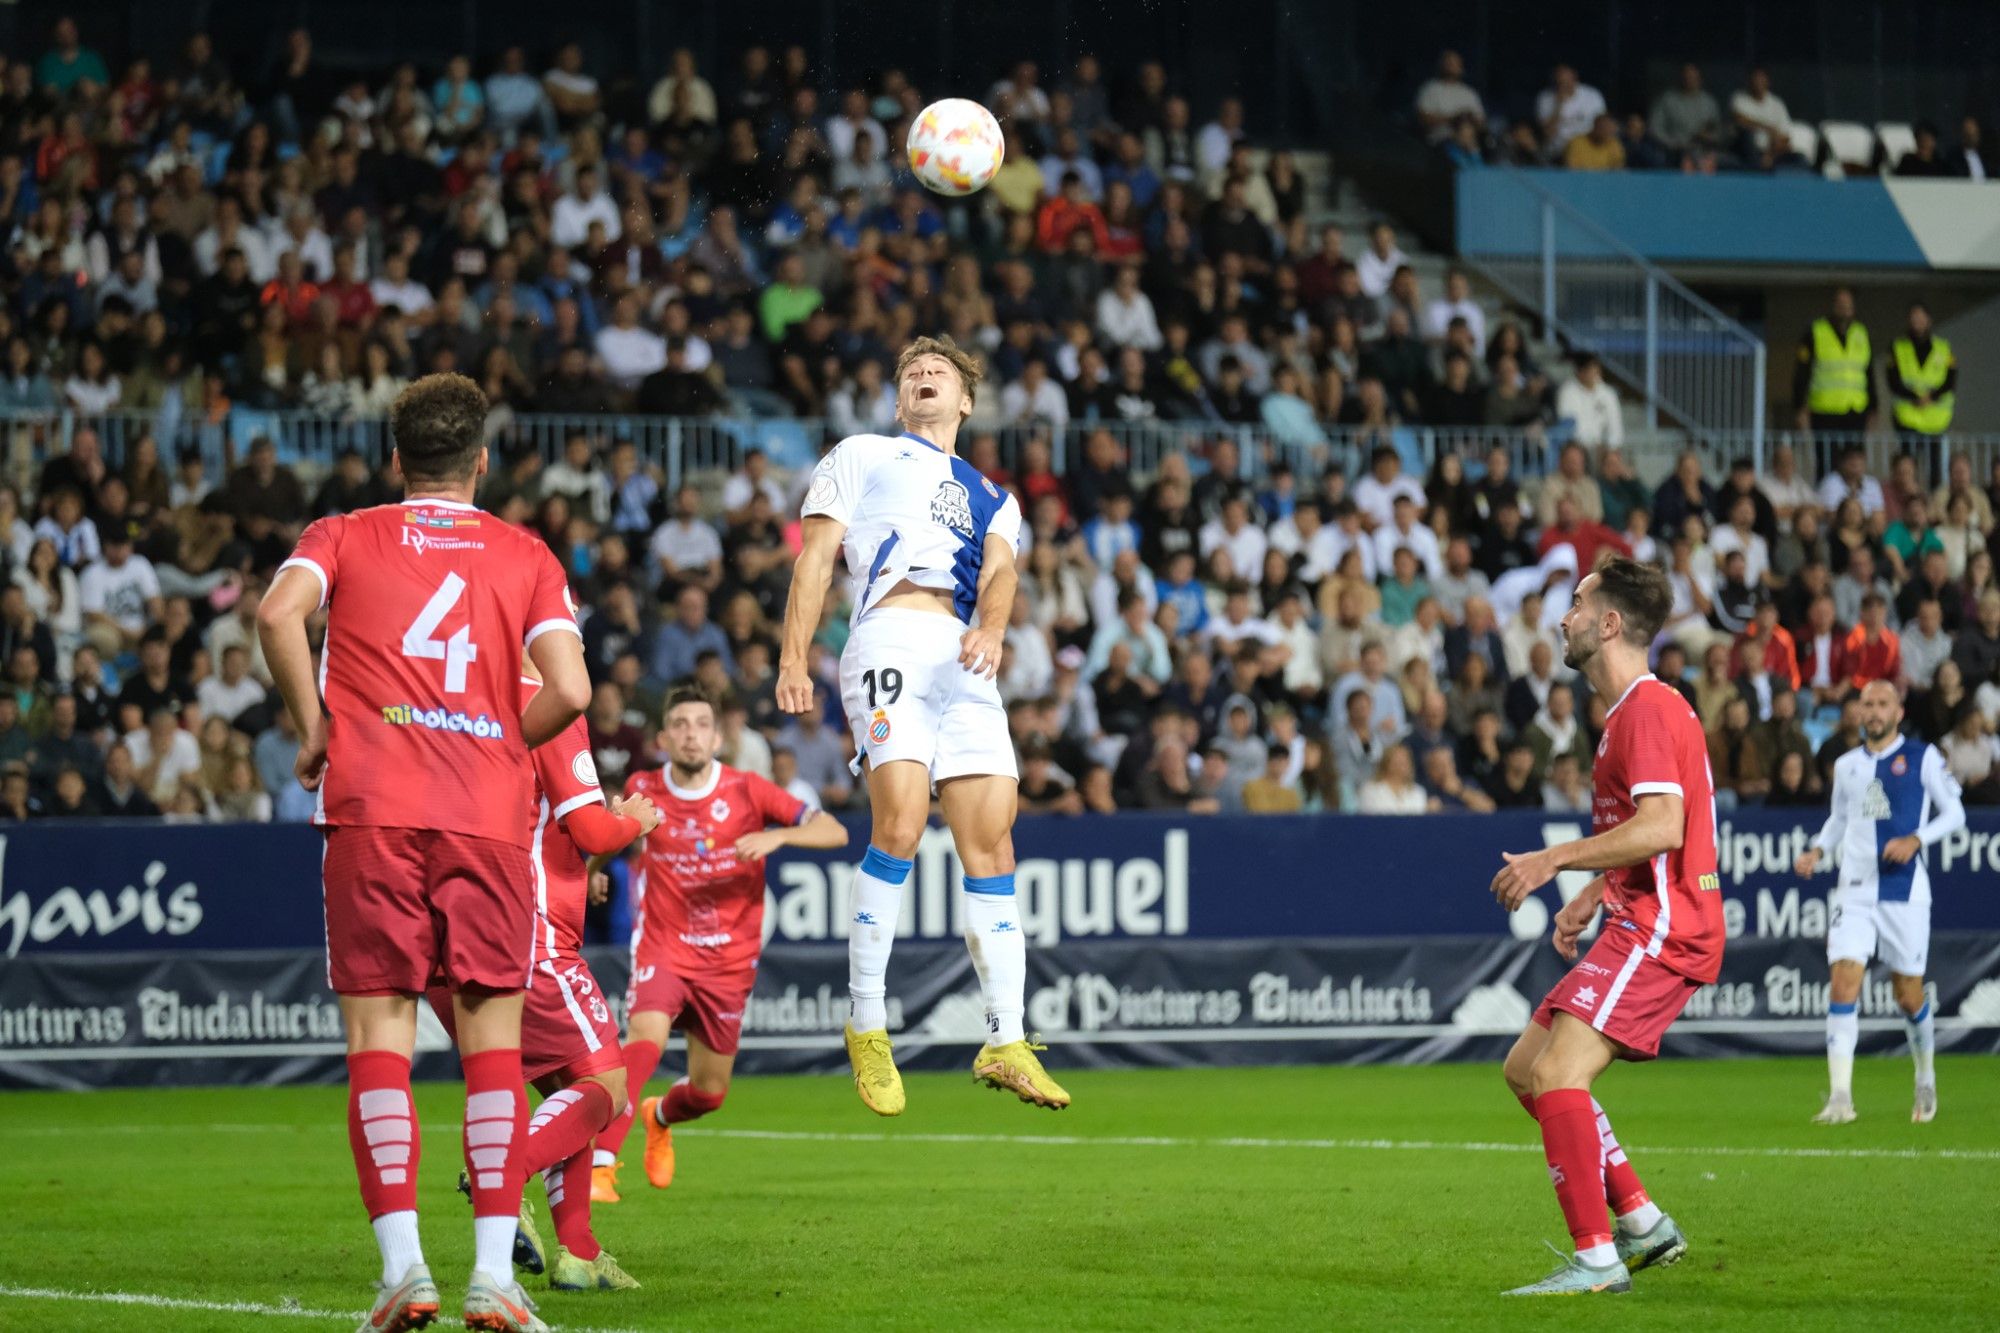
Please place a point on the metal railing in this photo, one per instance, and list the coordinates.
(702, 448)
(1695, 366)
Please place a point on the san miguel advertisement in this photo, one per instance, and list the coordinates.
(70, 888)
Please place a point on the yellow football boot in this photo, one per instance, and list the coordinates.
(1014, 1068)
(875, 1076)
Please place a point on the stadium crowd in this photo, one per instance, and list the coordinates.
(1685, 128)
(187, 238)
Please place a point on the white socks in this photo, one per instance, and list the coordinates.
(396, 1236)
(871, 932)
(493, 1247)
(1641, 1219)
(999, 953)
(1843, 1030)
(1923, 1043)
(1600, 1256)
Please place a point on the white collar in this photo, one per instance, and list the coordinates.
(693, 793)
(442, 504)
(1628, 693)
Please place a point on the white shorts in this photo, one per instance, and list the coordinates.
(907, 697)
(1899, 933)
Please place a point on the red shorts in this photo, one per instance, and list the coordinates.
(1622, 991)
(405, 906)
(566, 1027)
(708, 1008)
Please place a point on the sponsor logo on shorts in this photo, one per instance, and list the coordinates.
(730, 1015)
(1585, 997)
(715, 941)
(644, 974)
(1709, 883)
(599, 1013)
(1587, 966)
(878, 728)
(481, 727)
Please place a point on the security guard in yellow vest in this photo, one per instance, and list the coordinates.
(1834, 383)
(1923, 379)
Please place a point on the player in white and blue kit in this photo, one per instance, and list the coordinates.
(1892, 797)
(930, 546)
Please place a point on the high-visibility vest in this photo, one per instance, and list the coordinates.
(1840, 372)
(1926, 376)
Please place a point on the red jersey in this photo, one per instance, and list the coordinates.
(430, 604)
(1653, 742)
(696, 909)
(565, 781)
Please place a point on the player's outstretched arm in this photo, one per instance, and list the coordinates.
(812, 572)
(565, 693)
(1657, 825)
(821, 833)
(281, 629)
(979, 649)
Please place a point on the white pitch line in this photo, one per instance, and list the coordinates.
(150, 1301)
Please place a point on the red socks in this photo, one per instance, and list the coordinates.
(641, 1059)
(382, 1130)
(496, 1129)
(563, 1125)
(1575, 1154)
(1622, 1189)
(568, 1184)
(685, 1102)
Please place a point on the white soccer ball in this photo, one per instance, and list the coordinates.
(955, 146)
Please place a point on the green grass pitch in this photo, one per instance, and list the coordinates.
(1293, 1198)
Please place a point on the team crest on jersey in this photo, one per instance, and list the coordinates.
(951, 507)
(991, 489)
(1603, 744)
(878, 728)
(584, 769)
(1899, 765)
(718, 810)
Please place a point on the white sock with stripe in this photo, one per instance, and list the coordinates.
(1843, 1031)
(999, 953)
(1923, 1044)
(871, 933)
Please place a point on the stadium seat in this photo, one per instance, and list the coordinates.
(1897, 138)
(1849, 143)
(1805, 142)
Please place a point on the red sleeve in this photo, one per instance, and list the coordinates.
(566, 771)
(549, 603)
(774, 803)
(598, 832)
(1647, 745)
(318, 553)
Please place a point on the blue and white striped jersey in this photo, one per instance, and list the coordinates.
(914, 512)
(1906, 789)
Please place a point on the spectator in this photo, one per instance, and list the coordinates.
(1566, 110)
(1599, 149)
(679, 642)
(1565, 791)
(1927, 157)
(1377, 266)
(1874, 651)
(820, 758)
(1686, 118)
(1761, 116)
(1591, 405)
(1834, 382)
(1394, 790)
(1445, 100)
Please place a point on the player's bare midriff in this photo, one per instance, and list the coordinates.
(907, 596)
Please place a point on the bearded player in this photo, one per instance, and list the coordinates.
(569, 1040)
(419, 755)
(1653, 837)
(930, 544)
(698, 923)
(1892, 797)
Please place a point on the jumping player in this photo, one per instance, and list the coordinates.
(420, 760)
(1892, 797)
(1653, 822)
(698, 923)
(930, 544)
(569, 1040)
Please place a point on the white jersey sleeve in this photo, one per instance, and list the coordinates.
(838, 481)
(1946, 799)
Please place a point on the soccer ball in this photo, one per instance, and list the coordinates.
(955, 146)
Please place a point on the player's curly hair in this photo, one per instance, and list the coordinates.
(967, 365)
(439, 425)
